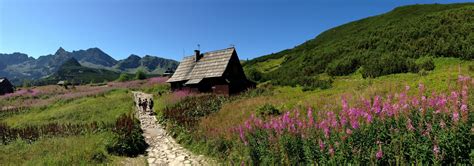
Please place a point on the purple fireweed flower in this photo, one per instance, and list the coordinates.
(344, 104)
(455, 116)
(354, 123)
(248, 126)
(326, 132)
(436, 150)
(331, 150)
(462, 78)
(464, 95)
(242, 135)
(376, 106)
(321, 144)
(310, 117)
(415, 102)
(421, 88)
(343, 120)
(379, 154)
(368, 117)
(387, 109)
(464, 108)
(366, 104)
(286, 117)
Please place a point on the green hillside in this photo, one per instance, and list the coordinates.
(72, 71)
(375, 46)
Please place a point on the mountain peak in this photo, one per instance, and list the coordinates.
(60, 51)
(134, 56)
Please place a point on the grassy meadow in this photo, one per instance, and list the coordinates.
(210, 127)
(236, 129)
(74, 126)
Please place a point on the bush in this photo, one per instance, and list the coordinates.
(384, 65)
(128, 140)
(140, 75)
(123, 77)
(188, 111)
(342, 67)
(268, 110)
(471, 67)
(426, 63)
(307, 82)
(253, 74)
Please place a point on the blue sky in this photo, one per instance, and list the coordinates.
(167, 28)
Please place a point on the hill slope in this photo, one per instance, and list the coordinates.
(151, 64)
(387, 40)
(72, 71)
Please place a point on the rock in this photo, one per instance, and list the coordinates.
(151, 160)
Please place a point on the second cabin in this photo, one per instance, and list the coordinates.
(218, 72)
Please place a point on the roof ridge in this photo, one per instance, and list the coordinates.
(221, 50)
(210, 52)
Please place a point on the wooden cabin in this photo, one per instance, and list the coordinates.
(218, 72)
(6, 86)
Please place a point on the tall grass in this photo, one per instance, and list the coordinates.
(102, 108)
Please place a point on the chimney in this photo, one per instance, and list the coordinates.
(198, 55)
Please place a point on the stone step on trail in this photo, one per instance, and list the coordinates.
(163, 149)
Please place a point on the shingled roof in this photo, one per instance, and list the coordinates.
(212, 64)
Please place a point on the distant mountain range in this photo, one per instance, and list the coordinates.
(19, 66)
(73, 72)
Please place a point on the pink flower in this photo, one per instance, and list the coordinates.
(354, 123)
(331, 150)
(310, 117)
(348, 131)
(455, 116)
(369, 118)
(321, 144)
(242, 135)
(464, 108)
(421, 88)
(379, 154)
(436, 149)
(376, 106)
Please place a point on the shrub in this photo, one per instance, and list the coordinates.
(423, 72)
(342, 66)
(384, 65)
(140, 75)
(128, 140)
(307, 82)
(253, 74)
(426, 63)
(471, 68)
(123, 77)
(268, 110)
(412, 66)
(188, 111)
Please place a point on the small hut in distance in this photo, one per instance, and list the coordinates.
(6, 86)
(218, 72)
(168, 73)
